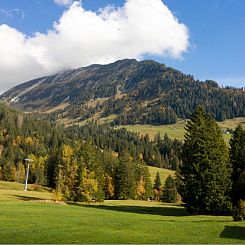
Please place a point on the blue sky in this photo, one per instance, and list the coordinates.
(216, 36)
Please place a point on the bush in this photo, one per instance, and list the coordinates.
(57, 196)
(35, 187)
(239, 212)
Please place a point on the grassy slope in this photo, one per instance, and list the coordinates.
(164, 173)
(25, 221)
(4, 185)
(10, 191)
(178, 130)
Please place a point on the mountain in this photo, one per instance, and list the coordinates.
(127, 92)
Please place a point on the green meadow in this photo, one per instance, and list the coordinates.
(164, 173)
(32, 217)
(174, 131)
(177, 131)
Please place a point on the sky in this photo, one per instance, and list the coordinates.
(42, 37)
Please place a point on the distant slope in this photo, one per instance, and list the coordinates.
(133, 92)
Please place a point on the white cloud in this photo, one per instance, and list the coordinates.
(83, 37)
(63, 2)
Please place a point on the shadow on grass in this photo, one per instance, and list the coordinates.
(163, 211)
(28, 198)
(232, 232)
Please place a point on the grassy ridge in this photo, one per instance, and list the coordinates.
(29, 220)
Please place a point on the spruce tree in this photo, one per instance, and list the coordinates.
(204, 179)
(157, 182)
(169, 193)
(237, 156)
(125, 186)
(157, 187)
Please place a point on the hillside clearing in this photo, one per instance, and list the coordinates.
(177, 131)
(164, 173)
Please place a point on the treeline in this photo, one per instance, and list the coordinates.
(22, 136)
(85, 173)
(161, 152)
(61, 159)
(151, 114)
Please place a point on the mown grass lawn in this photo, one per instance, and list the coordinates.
(25, 218)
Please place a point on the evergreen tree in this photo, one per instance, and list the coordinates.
(52, 163)
(237, 157)
(204, 179)
(169, 193)
(125, 178)
(157, 187)
(157, 182)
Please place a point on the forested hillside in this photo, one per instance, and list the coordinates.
(127, 92)
(161, 152)
(92, 162)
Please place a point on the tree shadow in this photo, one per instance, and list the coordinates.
(163, 211)
(232, 232)
(28, 198)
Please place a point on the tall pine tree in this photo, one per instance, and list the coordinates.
(204, 179)
(169, 193)
(157, 187)
(157, 182)
(237, 156)
(125, 187)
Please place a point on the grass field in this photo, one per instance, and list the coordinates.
(177, 131)
(26, 218)
(10, 191)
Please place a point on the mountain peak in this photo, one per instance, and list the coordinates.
(130, 90)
